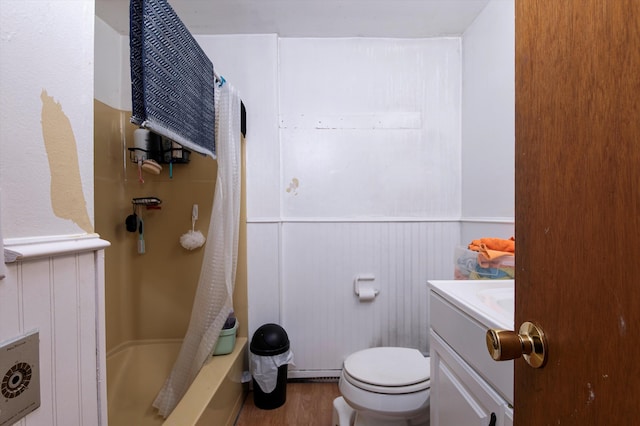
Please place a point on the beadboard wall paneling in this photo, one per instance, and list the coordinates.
(322, 315)
(61, 297)
(263, 263)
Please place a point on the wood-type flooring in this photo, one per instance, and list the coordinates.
(307, 404)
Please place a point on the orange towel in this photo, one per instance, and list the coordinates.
(492, 248)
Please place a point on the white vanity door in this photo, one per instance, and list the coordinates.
(508, 417)
(459, 396)
(466, 336)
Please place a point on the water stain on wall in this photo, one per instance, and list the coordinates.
(67, 198)
(293, 186)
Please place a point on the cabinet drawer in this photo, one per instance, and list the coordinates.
(467, 338)
(458, 395)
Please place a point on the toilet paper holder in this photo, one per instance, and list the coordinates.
(363, 277)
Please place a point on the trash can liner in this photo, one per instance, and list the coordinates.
(265, 369)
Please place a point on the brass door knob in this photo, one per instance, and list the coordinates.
(530, 343)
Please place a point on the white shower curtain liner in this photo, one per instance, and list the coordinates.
(213, 300)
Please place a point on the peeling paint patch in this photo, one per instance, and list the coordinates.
(67, 197)
(293, 186)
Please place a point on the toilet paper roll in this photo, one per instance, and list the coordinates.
(366, 294)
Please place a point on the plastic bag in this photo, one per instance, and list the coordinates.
(265, 368)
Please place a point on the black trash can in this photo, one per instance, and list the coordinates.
(270, 340)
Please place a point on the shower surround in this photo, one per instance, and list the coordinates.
(149, 296)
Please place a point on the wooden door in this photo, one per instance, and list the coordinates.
(578, 209)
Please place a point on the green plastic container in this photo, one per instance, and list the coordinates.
(226, 341)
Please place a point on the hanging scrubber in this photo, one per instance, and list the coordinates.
(193, 239)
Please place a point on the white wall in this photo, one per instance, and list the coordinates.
(55, 293)
(46, 176)
(488, 123)
(250, 63)
(370, 128)
(47, 46)
(112, 85)
(324, 318)
(370, 183)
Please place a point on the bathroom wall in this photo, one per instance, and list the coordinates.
(370, 146)
(369, 128)
(250, 63)
(488, 123)
(356, 159)
(47, 214)
(47, 57)
(47, 151)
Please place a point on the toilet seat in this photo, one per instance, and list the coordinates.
(388, 370)
(388, 390)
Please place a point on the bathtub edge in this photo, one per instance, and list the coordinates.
(218, 374)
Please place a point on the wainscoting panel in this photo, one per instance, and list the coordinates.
(324, 318)
(60, 295)
(263, 269)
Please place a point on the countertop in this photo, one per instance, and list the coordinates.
(490, 302)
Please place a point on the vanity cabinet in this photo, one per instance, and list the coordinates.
(467, 386)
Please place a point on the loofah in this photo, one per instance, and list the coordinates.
(192, 240)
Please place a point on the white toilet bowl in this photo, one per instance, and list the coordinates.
(384, 386)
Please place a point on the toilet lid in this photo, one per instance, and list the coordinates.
(388, 367)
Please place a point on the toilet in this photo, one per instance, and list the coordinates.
(383, 386)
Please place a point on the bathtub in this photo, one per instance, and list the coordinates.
(137, 370)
